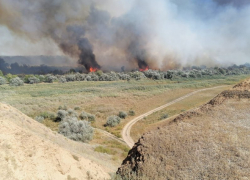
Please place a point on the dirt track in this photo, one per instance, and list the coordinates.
(126, 130)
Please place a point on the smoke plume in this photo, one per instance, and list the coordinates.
(160, 34)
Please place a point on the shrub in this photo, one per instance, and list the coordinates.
(77, 108)
(10, 76)
(49, 115)
(1, 73)
(62, 79)
(83, 116)
(40, 119)
(72, 113)
(113, 121)
(33, 80)
(62, 114)
(16, 82)
(70, 77)
(164, 116)
(91, 117)
(87, 116)
(2, 80)
(41, 78)
(79, 77)
(131, 113)
(50, 78)
(64, 107)
(76, 130)
(122, 114)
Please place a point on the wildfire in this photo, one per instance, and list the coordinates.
(92, 69)
(144, 69)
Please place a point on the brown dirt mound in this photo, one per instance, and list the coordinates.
(210, 142)
(29, 150)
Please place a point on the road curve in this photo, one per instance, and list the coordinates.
(126, 130)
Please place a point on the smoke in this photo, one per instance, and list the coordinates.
(161, 34)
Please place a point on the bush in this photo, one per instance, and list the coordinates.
(76, 130)
(62, 79)
(62, 114)
(72, 113)
(131, 113)
(164, 116)
(87, 116)
(49, 115)
(91, 117)
(122, 114)
(10, 76)
(77, 108)
(64, 107)
(33, 80)
(50, 78)
(40, 119)
(2, 80)
(70, 77)
(1, 73)
(16, 82)
(41, 78)
(113, 121)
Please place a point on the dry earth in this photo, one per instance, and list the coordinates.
(210, 142)
(29, 150)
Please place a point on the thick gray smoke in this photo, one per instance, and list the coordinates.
(161, 34)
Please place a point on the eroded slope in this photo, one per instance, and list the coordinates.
(29, 150)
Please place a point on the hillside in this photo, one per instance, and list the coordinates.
(29, 150)
(210, 142)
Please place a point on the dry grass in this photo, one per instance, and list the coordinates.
(211, 142)
(191, 102)
(103, 99)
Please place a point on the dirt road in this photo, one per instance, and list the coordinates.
(126, 130)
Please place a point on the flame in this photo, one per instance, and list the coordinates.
(144, 69)
(92, 69)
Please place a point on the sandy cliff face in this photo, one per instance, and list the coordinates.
(29, 150)
(210, 142)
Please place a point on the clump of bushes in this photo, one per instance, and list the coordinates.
(87, 116)
(76, 130)
(2, 80)
(122, 114)
(16, 82)
(113, 121)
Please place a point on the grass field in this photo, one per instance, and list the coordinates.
(108, 98)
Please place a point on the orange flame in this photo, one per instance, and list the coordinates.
(145, 69)
(92, 69)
